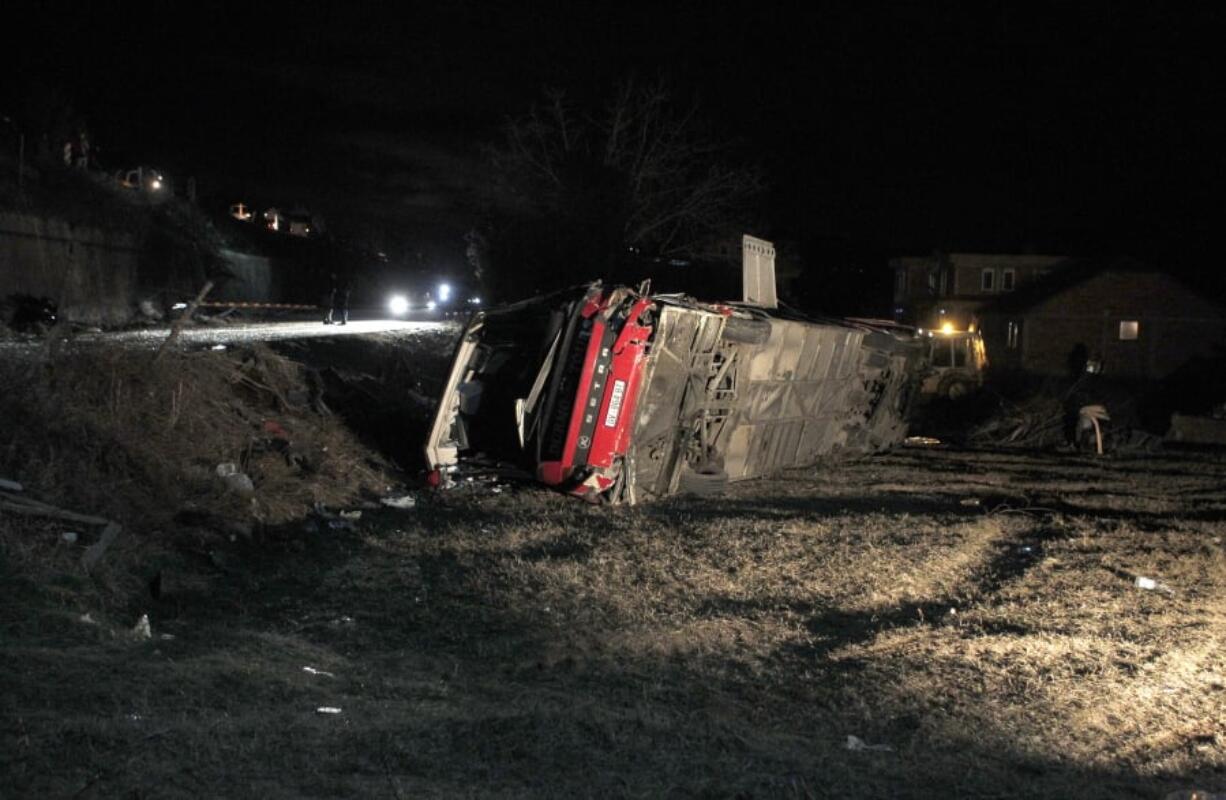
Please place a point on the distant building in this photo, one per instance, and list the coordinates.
(298, 222)
(143, 179)
(1123, 318)
(951, 288)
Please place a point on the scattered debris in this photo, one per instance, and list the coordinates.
(149, 309)
(95, 552)
(920, 441)
(857, 744)
(1151, 585)
(327, 710)
(313, 671)
(351, 515)
(177, 327)
(10, 486)
(403, 501)
(142, 629)
(70, 537)
(235, 480)
(86, 619)
(1195, 794)
(1092, 417)
(1038, 422)
(971, 501)
(21, 504)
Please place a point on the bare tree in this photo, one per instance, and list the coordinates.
(639, 175)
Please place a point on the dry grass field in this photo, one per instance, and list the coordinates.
(970, 617)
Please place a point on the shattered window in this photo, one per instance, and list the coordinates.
(1130, 329)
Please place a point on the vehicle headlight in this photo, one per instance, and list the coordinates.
(398, 304)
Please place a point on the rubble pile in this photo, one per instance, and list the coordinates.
(1035, 423)
(1095, 416)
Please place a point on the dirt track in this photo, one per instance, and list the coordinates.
(973, 614)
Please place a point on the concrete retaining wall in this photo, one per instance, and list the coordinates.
(250, 280)
(91, 274)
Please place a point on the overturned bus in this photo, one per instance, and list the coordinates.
(617, 395)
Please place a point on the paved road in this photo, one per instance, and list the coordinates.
(239, 333)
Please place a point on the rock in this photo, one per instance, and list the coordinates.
(149, 310)
(403, 501)
(142, 630)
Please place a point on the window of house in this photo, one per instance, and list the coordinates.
(987, 280)
(1008, 278)
(1013, 335)
(1130, 329)
(900, 282)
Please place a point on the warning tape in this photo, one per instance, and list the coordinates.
(290, 306)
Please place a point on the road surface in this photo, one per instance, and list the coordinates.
(198, 336)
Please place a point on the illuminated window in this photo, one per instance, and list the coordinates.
(1007, 280)
(987, 280)
(1013, 335)
(1130, 329)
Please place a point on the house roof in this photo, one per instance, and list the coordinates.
(1034, 293)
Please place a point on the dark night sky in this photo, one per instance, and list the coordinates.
(884, 128)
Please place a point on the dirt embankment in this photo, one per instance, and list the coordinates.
(182, 451)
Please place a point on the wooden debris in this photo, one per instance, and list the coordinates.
(28, 506)
(177, 327)
(95, 552)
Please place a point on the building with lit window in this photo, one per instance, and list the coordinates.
(1121, 318)
(951, 288)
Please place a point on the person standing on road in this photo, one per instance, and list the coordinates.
(338, 300)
